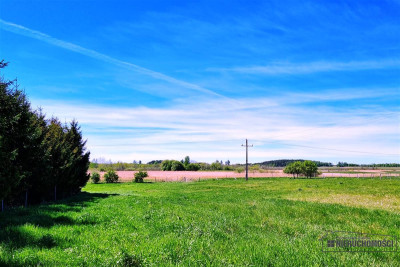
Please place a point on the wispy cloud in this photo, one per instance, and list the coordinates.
(215, 129)
(342, 94)
(21, 30)
(312, 67)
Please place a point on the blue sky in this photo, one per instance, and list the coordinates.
(164, 79)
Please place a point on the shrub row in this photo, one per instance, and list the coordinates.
(112, 177)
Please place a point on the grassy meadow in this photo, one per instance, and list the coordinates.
(225, 222)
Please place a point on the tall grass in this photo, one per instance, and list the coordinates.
(264, 222)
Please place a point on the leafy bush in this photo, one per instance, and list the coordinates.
(177, 166)
(216, 166)
(228, 168)
(255, 167)
(111, 177)
(166, 165)
(139, 176)
(192, 167)
(239, 170)
(95, 177)
(204, 166)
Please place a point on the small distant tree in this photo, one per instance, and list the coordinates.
(289, 169)
(95, 177)
(111, 177)
(186, 161)
(139, 176)
(227, 162)
(294, 168)
(310, 169)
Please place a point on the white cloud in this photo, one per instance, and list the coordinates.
(282, 68)
(215, 129)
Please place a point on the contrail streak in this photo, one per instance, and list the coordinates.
(21, 30)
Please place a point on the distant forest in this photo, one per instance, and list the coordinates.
(284, 162)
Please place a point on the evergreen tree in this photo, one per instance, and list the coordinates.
(15, 134)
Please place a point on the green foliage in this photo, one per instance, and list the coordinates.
(15, 133)
(37, 154)
(95, 177)
(216, 166)
(204, 166)
(239, 169)
(228, 168)
(177, 166)
(166, 165)
(139, 176)
(186, 161)
(254, 167)
(345, 164)
(285, 162)
(192, 167)
(294, 168)
(93, 165)
(111, 176)
(310, 168)
(127, 260)
(307, 168)
(172, 165)
(120, 166)
(260, 219)
(154, 162)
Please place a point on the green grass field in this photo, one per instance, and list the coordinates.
(226, 222)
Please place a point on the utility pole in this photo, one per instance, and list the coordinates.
(247, 159)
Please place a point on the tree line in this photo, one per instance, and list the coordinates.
(285, 162)
(374, 165)
(41, 158)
